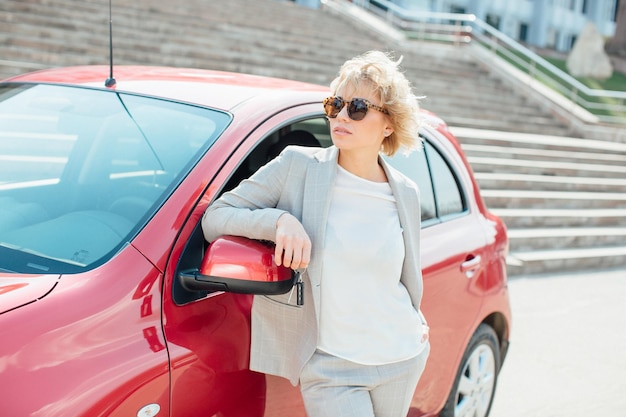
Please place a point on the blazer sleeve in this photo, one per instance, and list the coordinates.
(249, 210)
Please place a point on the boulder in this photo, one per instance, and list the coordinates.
(588, 58)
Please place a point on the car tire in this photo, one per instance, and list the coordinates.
(475, 383)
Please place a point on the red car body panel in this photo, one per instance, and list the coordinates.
(21, 290)
(112, 341)
(89, 349)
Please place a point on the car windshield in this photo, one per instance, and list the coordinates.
(82, 170)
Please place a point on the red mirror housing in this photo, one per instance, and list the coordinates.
(240, 265)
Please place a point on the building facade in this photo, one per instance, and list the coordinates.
(553, 24)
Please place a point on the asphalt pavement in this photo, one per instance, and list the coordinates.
(568, 347)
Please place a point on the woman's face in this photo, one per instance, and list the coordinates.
(367, 134)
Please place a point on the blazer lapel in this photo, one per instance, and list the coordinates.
(407, 203)
(318, 185)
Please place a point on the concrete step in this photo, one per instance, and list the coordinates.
(517, 218)
(544, 154)
(535, 141)
(528, 239)
(553, 199)
(540, 262)
(501, 180)
(557, 168)
(454, 119)
(451, 100)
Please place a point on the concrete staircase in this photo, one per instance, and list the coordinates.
(562, 197)
(266, 37)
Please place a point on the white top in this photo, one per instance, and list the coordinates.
(366, 313)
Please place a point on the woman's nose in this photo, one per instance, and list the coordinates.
(343, 113)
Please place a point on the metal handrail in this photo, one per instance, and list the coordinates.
(465, 28)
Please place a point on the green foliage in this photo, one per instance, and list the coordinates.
(617, 82)
(607, 107)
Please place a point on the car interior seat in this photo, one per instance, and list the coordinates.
(295, 137)
(264, 155)
(14, 214)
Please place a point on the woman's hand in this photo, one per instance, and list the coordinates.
(293, 245)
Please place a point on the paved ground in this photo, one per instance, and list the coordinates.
(568, 349)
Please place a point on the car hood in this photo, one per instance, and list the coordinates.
(19, 290)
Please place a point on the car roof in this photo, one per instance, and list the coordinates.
(217, 89)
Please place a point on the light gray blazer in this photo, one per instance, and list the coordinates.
(300, 181)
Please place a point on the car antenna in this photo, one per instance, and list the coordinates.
(110, 82)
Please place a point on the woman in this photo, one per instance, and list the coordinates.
(359, 342)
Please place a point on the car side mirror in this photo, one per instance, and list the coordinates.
(239, 265)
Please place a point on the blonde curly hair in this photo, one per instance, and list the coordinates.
(379, 71)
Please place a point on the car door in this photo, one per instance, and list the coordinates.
(208, 334)
(451, 245)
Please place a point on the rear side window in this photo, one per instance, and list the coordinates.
(441, 195)
(415, 166)
(445, 183)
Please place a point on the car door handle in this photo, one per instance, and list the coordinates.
(471, 265)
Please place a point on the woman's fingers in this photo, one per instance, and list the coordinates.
(305, 257)
(293, 246)
(300, 254)
(278, 252)
(292, 252)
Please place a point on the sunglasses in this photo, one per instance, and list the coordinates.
(357, 107)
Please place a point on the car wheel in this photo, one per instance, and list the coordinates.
(475, 382)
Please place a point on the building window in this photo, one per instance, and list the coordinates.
(523, 32)
(493, 20)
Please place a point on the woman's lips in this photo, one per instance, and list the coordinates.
(341, 131)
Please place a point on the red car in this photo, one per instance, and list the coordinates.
(109, 305)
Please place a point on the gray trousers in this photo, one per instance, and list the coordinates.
(335, 387)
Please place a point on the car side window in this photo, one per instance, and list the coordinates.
(440, 193)
(415, 166)
(448, 193)
(309, 132)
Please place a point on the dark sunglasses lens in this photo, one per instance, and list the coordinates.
(333, 106)
(357, 109)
